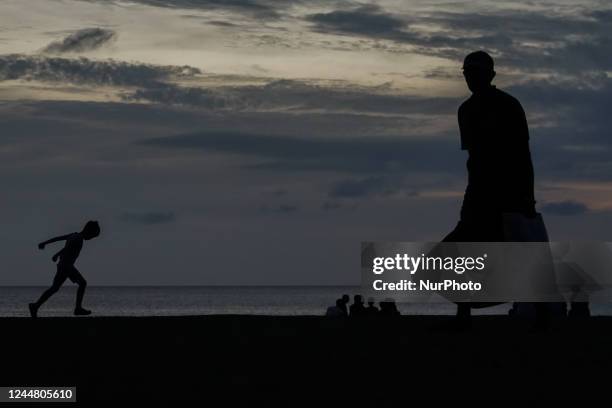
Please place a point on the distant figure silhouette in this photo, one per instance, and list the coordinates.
(65, 267)
(494, 132)
(357, 309)
(344, 300)
(579, 310)
(573, 278)
(388, 308)
(371, 310)
(335, 311)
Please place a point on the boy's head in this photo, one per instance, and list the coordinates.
(91, 230)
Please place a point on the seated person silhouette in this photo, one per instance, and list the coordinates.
(65, 267)
(335, 311)
(357, 309)
(371, 310)
(494, 131)
(388, 308)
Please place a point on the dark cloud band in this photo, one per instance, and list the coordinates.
(87, 71)
(87, 39)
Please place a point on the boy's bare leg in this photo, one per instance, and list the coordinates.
(57, 283)
(79, 280)
(47, 294)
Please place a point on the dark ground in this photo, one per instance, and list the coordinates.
(291, 361)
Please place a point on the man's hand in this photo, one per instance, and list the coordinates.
(41, 245)
(54, 258)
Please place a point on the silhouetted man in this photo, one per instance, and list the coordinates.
(65, 267)
(371, 310)
(335, 311)
(357, 309)
(494, 132)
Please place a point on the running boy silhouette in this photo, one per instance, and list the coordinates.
(65, 267)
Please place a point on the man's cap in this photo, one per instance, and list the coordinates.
(478, 59)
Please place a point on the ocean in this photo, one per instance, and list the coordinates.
(209, 300)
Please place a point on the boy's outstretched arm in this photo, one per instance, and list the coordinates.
(52, 240)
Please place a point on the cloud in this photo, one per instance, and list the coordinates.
(366, 187)
(569, 41)
(296, 96)
(148, 218)
(87, 71)
(278, 209)
(169, 94)
(154, 84)
(262, 9)
(568, 119)
(220, 23)
(87, 39)
(364, 20)
(338, 205)
(290, 153)
(331, 205)
(570, 137)
(275, 192)
(565, 208)
(374, 22)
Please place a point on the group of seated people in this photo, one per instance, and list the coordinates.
(358, 309)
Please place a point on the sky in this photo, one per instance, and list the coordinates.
(258, 142)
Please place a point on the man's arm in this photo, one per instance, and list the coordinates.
(52, 240)
(522, 129)
(464, 131)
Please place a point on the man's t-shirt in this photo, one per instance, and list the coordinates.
(494, 131)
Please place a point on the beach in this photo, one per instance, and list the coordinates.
(306, 360)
